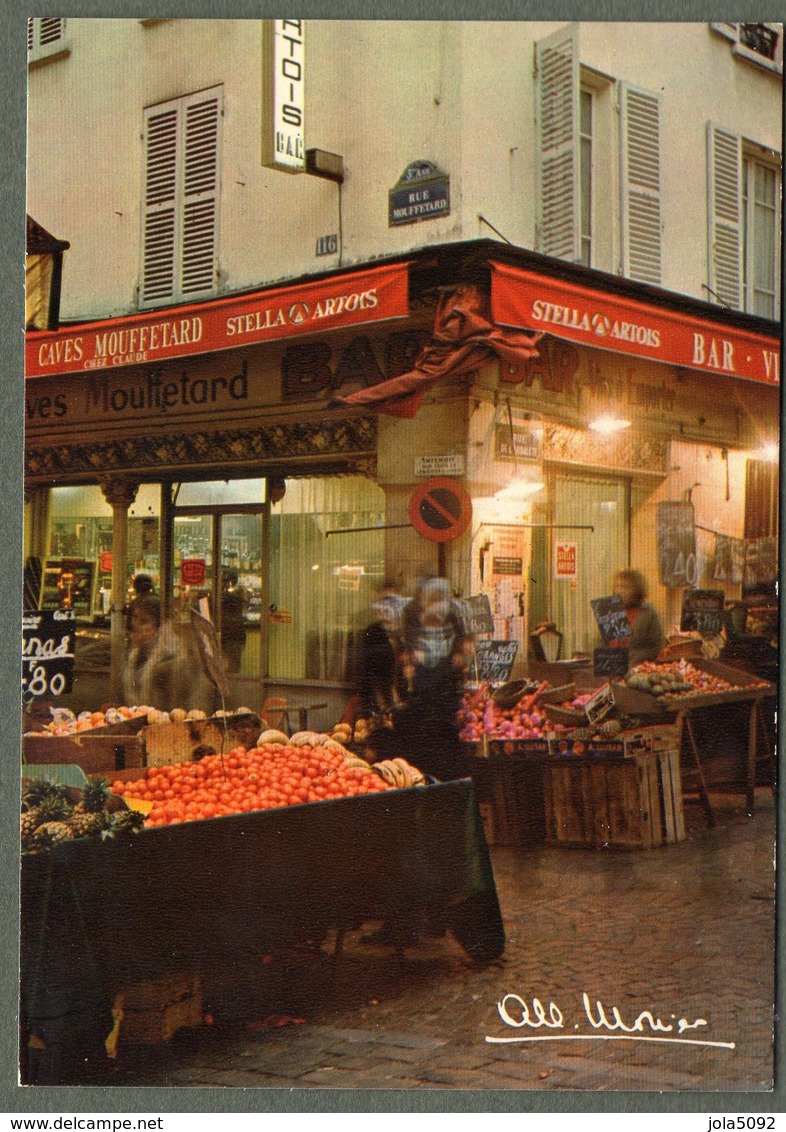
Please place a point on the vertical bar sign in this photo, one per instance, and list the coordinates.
(283, 95)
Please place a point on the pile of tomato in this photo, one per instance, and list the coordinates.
(262, 778)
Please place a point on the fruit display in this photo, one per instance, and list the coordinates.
(680, 679)
(281, 771)
(53, 813)
(488, 718)
(65, 722)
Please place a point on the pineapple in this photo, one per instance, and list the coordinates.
(89, 816)
(51, 833)
(46, 805)
(125, 821)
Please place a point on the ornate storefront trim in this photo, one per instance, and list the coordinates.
(632, 452)
(350, 440)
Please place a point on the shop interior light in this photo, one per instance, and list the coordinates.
(770, 452)
(609, 424)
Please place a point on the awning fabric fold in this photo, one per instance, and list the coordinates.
(464, 338)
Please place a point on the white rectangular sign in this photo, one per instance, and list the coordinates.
(440, 465)
(283, 95)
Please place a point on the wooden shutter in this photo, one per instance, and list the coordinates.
(641, 218)
(43, 36)
(557, 129)
(200, 197)
(180, 199)
(159, 237)
(724, 213)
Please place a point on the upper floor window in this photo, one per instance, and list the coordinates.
(577, 147)
(743, 208)
(182, 149)
(45, 38)
(761, 44)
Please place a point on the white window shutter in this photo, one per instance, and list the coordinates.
(50, 31)
(640, 181)
(159, 236)
(724, 213)
(200, 193)
(181, 192)
(557, 129)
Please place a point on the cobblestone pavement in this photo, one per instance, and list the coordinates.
(685, 931)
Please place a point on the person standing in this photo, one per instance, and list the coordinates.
(163, 669)
(233, 619)
(435, 651)
(647, 637)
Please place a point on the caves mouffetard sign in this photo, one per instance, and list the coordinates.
(221, 324)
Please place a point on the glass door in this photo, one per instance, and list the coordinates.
(217, 570)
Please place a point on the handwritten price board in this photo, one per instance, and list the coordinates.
(495, 660)
(610, 662)
(702, 611)
(48, 643)
(476, 614)
(676, 537)
(611, 618)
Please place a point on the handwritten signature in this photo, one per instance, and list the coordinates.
(608, 1021)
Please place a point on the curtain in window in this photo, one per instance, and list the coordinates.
(603, 504)
(325, 583)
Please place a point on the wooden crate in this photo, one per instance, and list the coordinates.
(154, 1010)
(93, 753)
(632, 803)
(511, 800)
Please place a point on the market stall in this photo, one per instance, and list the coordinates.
(98, 913)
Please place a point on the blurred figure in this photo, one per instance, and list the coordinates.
(647, 634)
(233, 619)
(435, 653)
(163, 669)
(143, 585)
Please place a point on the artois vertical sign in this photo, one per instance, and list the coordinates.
(283, 95)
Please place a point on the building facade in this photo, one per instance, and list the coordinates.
(565, 236)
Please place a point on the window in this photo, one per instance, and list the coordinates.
(182, 142)
(744, 190)
(761, 44)
(760, 237)
(576, 151)
(46, 39)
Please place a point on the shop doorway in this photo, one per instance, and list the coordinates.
(593, 557)
(217, 568)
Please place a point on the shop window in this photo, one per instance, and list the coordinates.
(744, 191)
(46, 39)
(182, 145)
(321, 585)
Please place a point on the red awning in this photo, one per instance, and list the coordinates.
(531, 301)
(221, 324)
(464, 338)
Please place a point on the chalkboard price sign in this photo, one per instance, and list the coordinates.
(611, 618)
(476, 614)
(48, 641)
(495, 660)
(676, 535)
(702, 611)
(610, 662)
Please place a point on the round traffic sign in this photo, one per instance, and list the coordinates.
(440, 509)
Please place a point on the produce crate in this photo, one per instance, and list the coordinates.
(615, 802)
(510, 796)
(166, 743)
(154, 1010)
(93, 753)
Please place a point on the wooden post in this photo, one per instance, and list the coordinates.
(264, 598)
(120, 493)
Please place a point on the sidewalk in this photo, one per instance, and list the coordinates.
(685, 931)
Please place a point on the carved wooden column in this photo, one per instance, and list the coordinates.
(120, 493)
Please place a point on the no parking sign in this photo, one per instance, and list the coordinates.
(440, 509)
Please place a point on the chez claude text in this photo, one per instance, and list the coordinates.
(603, 1019)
